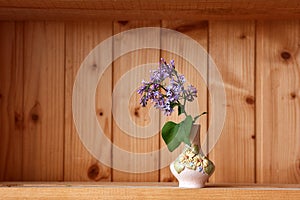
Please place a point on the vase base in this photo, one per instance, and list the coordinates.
(190, 185)
(189, 178)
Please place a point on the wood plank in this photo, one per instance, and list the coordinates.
(198, 31)
(43, 101)
(11, 100)
(81, 39)
(232, 48)
(147, 191)
(144, 184)
(229, 6)
(278, 101)
(133, 143)
(203, 13)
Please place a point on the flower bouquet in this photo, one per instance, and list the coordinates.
(167, 90)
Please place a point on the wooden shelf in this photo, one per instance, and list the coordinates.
(23, 190)
(148, 9)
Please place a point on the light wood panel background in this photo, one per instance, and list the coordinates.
(232, 46)
(81, 38)
(259, 62)
(132, 143)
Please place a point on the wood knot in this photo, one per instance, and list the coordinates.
(250, 100)
(93, 172)
(0, 96)
(293, 95)
(94, 66)
(35, 117)
(253, 136)
(123, 22)
(285, 55)
(18, 120)
(35, 112)
(136, 112)
(100, 112)
(242, 36)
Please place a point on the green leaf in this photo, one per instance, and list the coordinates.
(168, 131)
(173, 134)
(184, 130)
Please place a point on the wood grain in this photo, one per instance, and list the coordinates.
(43, 101)
(145, 184)
(231, 46)
(11, 100)
(39, 61)
(278, 101)
(198, 31)
(81, 38)
(19, 14)
(133, 142)
(156, 9)
(153, 5)
(146, 191)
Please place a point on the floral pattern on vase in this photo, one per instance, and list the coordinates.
(191, 168)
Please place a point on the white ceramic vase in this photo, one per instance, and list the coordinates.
(191, 168)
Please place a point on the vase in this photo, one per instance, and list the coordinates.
(191, 168)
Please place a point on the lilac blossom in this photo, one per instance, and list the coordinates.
(166, 97)
(191, 93)
(166, 90)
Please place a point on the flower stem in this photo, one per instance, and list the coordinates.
(184, 102)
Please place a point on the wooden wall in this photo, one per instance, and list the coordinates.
(259, 62)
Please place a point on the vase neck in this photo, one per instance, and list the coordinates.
(195, 137)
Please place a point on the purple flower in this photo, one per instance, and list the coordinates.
(181, 79)
(191, 93)
(143, 101)
(172, 63)
(165, 97)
